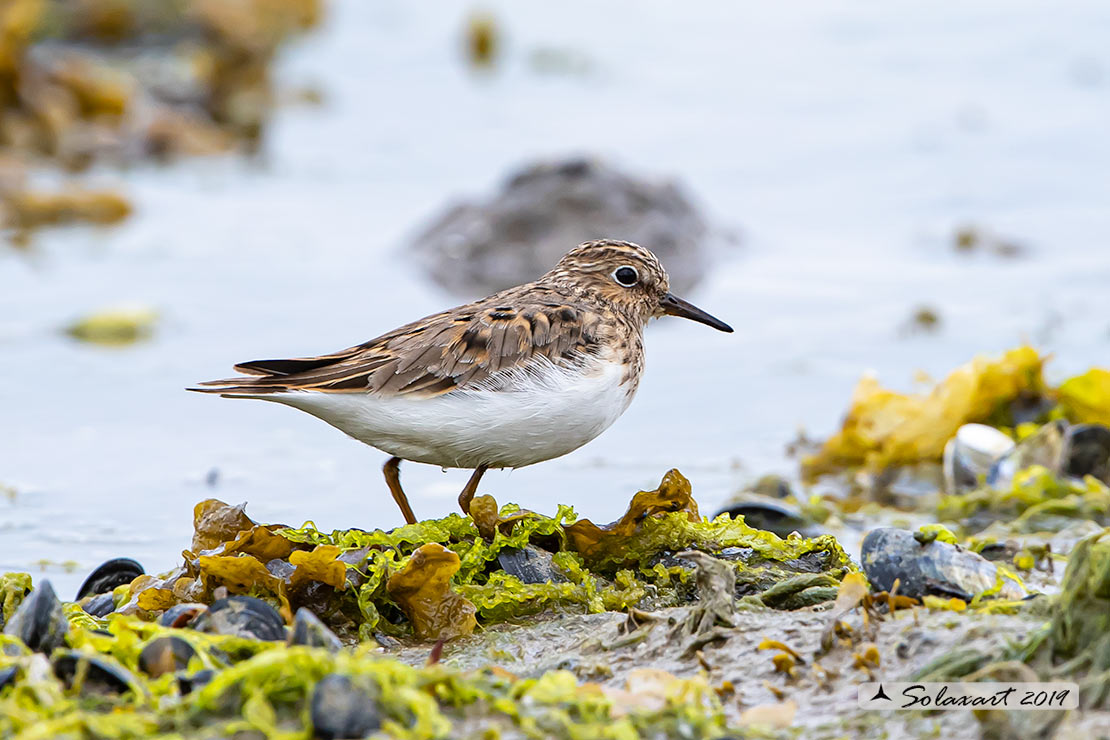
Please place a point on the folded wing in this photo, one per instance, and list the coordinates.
(453, 350)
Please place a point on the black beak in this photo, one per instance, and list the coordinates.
(672, 305)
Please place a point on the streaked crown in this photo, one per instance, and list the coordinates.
(624, 275)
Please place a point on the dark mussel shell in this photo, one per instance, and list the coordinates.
(243, 616)
(100, 605)
(768, 514)
(309, 630)
(188, 684)
(7, 676)
(935, 568)
(100, 676)
(180, 615)
(108, 575)
(342, 710)
(1087, 451)
(530, 564)
(39, 622)
(165, 655)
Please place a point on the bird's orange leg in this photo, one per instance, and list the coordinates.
(392, 471)
(471, 488)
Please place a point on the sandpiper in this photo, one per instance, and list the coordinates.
(522, 376)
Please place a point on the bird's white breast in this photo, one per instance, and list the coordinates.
(537, 416)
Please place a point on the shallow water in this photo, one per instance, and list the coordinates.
(845, 142)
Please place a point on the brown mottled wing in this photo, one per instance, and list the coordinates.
(441, 353)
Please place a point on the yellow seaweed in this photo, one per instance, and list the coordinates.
(884, 428)
(1086, 398)
(319, 565)
(215, 522)
(672, 495)
(423, 590)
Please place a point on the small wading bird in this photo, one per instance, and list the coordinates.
(525, 375)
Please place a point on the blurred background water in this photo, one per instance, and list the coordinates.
(845, 143)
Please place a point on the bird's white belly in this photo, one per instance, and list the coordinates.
(541, 417)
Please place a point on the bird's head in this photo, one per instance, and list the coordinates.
(628, 277)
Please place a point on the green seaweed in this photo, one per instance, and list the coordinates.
(13, 588)
(266, 690)
(1081, 619)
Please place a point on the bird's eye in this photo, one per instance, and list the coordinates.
(626, 276)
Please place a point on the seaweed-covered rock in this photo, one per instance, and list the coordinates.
(500, 565)
(472, 572)
(39, 622)
(516, 236)
(930, 567)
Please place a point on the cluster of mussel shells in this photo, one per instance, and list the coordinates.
(980, 454)
(341, 706)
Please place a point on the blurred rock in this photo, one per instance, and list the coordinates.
(546, 209)
(342, 709)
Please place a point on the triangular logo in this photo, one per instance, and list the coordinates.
(880, 694)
